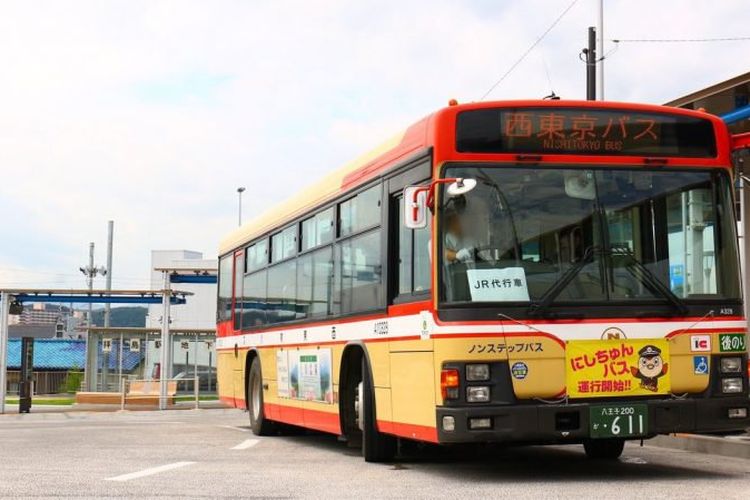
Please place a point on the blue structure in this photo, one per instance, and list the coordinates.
(97, 299)
(737, 115)
(50, 354)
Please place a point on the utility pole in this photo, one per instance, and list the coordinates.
(110, 233)
(590, 53)
(90, 272)
(600, 52)
(240, 190)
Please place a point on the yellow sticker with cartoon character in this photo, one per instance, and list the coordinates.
(617, 367)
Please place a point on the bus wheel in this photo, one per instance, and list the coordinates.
(260, 425)
(376, 446)
(606, 449)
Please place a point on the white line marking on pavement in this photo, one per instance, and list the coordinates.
(233, 428)
(247, 443)
(149, 472)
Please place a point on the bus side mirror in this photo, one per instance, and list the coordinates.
(415, 206)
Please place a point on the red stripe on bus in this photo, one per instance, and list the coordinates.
(607, 321)
(411, 431)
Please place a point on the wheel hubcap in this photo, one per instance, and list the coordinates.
(359, 406)
(256, 398)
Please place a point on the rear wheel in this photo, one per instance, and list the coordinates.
(376, 446)
(260, 425)
(604, 449)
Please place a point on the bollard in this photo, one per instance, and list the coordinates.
(196, 390)
(122, 394)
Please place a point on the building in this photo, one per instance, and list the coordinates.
(200, 310)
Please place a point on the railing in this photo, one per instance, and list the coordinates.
(148, 392)
(45, 382)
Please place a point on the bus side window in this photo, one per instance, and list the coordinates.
(412, 256)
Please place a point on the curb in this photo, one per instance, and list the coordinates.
(733, 446)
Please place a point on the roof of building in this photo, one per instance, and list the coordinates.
(36, 331)
(50, 354)
(67, 354)
(709, 91)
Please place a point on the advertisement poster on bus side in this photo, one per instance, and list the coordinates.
(305, 374)
(282, 373)
(617, 367)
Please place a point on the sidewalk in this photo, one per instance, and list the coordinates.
(727, 446)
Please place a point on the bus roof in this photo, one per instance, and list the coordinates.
(400, 147)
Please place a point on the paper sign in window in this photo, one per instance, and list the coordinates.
(498, 285)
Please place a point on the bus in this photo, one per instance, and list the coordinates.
(521, 272)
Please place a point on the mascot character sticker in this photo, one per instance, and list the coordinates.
(650, 367)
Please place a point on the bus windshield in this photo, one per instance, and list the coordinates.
(573, 234)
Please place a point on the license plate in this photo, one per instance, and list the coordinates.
(611, 421)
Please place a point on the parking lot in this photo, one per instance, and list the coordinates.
(211, 453)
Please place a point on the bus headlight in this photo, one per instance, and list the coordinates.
(478, 394)
(731, 365)
(477, 372)
(731, 385)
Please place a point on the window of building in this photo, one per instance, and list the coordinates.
(283, 244)
(360, 212)
(317, 230)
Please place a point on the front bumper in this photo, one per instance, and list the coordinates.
(558, 423)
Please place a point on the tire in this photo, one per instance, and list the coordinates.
(604, 449)
(376, 446)
(259, 424)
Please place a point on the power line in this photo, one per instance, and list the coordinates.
(523, 56)
(679, 40)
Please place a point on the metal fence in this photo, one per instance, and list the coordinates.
(48, 382)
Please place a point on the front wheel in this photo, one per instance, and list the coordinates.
(259, 424)
(604, 449)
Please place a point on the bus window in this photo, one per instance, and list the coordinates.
(317, 230)
(254, 300)
(283, 244)
(359, 270)
(314, 273)
(256, 256)
(360, 212)
(282, 279)
(413, 255)
(224, 306)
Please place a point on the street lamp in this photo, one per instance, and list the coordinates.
(240, 190)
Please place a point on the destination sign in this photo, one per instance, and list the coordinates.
(583, 131)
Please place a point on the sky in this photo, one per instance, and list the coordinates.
(152, 113)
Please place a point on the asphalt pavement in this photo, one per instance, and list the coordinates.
(212, 454)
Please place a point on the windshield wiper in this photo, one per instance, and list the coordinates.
(649, 279)
(546, 299)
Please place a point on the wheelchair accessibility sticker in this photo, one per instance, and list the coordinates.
(700, 365)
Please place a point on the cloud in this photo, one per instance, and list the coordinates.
(152, 113)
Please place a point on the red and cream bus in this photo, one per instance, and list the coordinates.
(516, 272)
